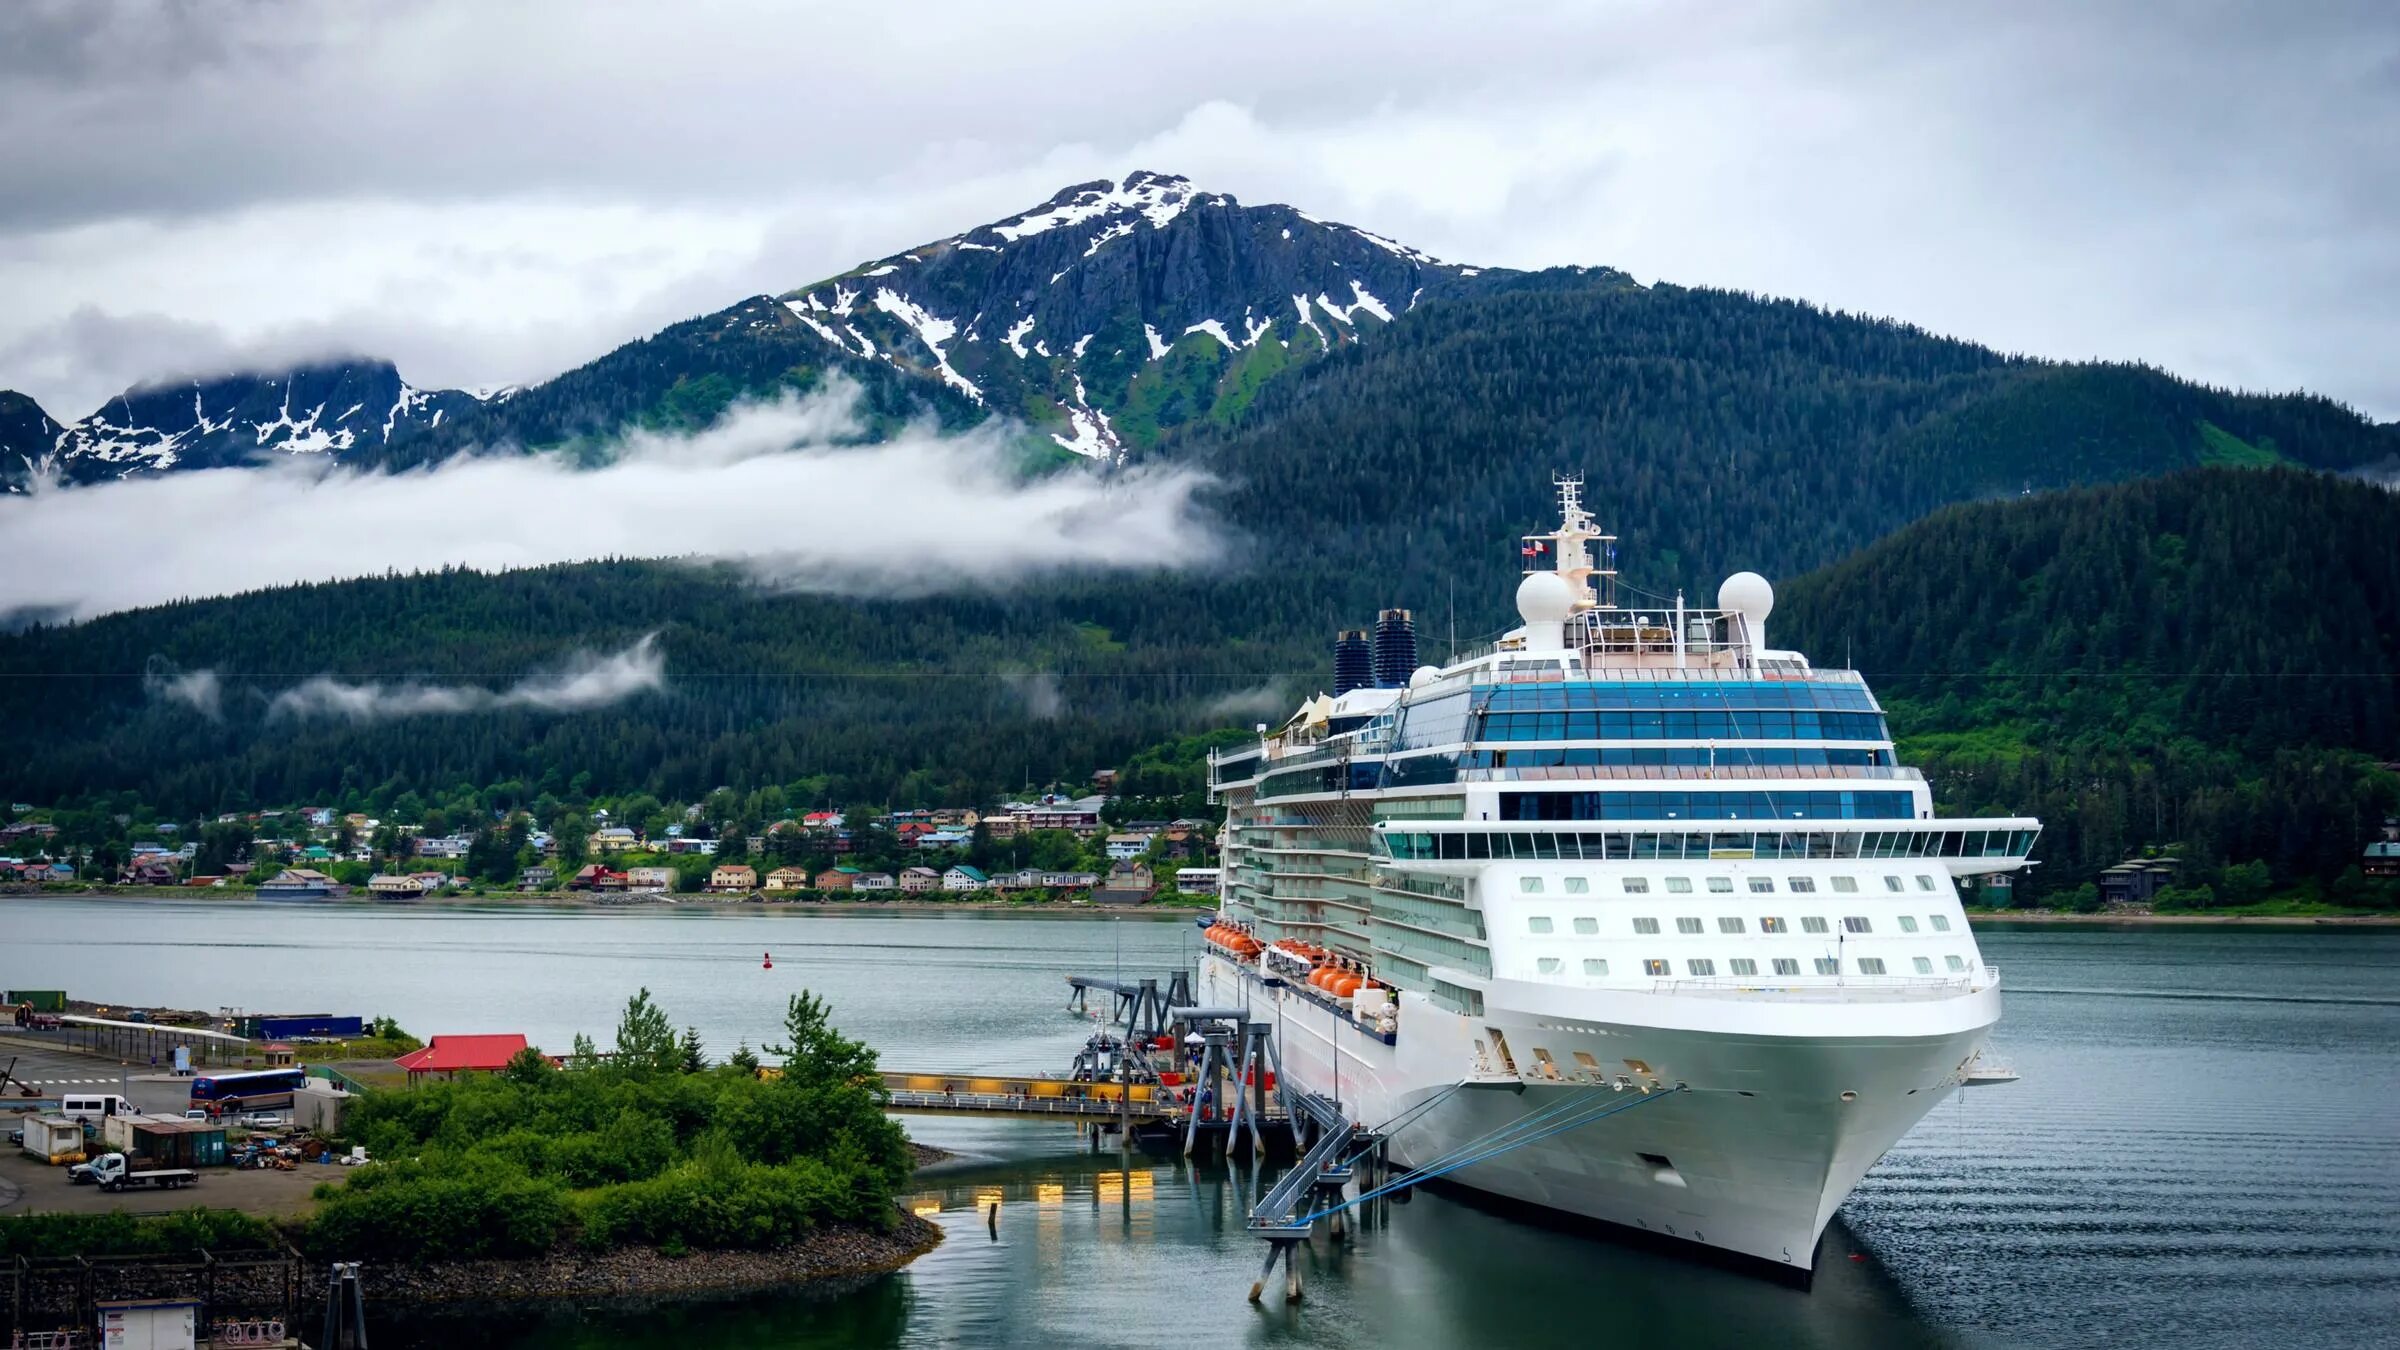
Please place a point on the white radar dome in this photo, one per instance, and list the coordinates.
(1749, 595)
(1424, 675)
(1546, 597)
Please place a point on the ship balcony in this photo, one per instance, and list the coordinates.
(1564, 773)
(1966, 846)
(1850, 989)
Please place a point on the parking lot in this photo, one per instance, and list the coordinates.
(28, 1186)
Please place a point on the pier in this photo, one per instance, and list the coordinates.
(1164, 1070)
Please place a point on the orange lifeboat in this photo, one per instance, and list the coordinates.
(1346, 986)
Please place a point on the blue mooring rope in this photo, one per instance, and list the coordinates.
(1428, 1173)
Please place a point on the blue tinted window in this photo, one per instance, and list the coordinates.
(1699, 806)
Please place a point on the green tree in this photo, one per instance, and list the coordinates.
(527, 1067)
(817, 1055)
(2246, 883)
(744, 1059)
(645, 1038)
(693, 1058)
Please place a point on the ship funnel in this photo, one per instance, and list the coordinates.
(1395, 648)
(1353, 662)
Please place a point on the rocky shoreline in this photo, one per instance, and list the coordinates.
(645, 1272)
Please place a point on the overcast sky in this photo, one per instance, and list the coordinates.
(492, 193)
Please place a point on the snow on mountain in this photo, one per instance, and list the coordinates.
(332, 409)
(1110, 313)
(28, 437)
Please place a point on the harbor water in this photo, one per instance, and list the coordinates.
(2204, 1149)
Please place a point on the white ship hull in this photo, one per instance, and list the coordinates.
(1787, 1107)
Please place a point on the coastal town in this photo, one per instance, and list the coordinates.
(1054, 846)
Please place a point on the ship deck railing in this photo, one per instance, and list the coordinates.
(1850, 989)
(1570, 772)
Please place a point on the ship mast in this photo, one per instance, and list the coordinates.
(1568, 549)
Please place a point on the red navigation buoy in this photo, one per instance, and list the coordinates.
(766, 961)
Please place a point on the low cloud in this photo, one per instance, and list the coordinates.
(587, 680)
(1040, 693)
(778, 488)
(197, 689)
(1258, 701)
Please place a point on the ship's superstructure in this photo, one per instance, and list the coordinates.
(1623, 848)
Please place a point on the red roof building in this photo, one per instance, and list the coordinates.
(453, 1055)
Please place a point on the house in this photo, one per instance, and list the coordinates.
(787, 879)
(961, 817)
(450, 1056)
(913, 879)
(149, 872)
(2134, 881)
(965, 878)
(823, 820)
(937, 839)
(536, 879)
(872, 881)
(614, 839)
(703, 847)
(1069, 881)
(1127, 846)
(446, 846)
(649, 878)
(909, 831)
(1051, 813)
(1198, 880)
(1029, 879)
(434, 881)
(733, 877)
(296, 883)
(1002, 825)
(2381, 857)
(837, 878)
(395, 886)
(1126, 884)
(596, 877)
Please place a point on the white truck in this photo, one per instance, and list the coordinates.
(111, 1173)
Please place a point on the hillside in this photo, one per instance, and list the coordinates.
(1716, 432)
(2210, 660)
(927, 702)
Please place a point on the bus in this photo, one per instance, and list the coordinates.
(234, 1093)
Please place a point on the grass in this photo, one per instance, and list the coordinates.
(2219, 446)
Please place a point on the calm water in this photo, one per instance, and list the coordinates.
(2205, 1150)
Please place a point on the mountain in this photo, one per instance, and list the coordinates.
(341, 409)
(1117, 310)
(1103, 319)
(27, 437)
(1716, 431)
(2208, 661)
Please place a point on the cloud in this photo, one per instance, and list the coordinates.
(1265, 700)
(491, 193)
(198, 689)
(775, 488)
(1040, 693)
(586, 681)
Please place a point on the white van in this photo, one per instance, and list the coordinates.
(89, 1106)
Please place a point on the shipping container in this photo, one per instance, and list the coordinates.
(41, 1000)
(166, 1141)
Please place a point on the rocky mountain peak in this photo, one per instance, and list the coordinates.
(1119, 309)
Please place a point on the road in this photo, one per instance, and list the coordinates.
(56, 1070)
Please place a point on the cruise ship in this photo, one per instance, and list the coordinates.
(1622, 850)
